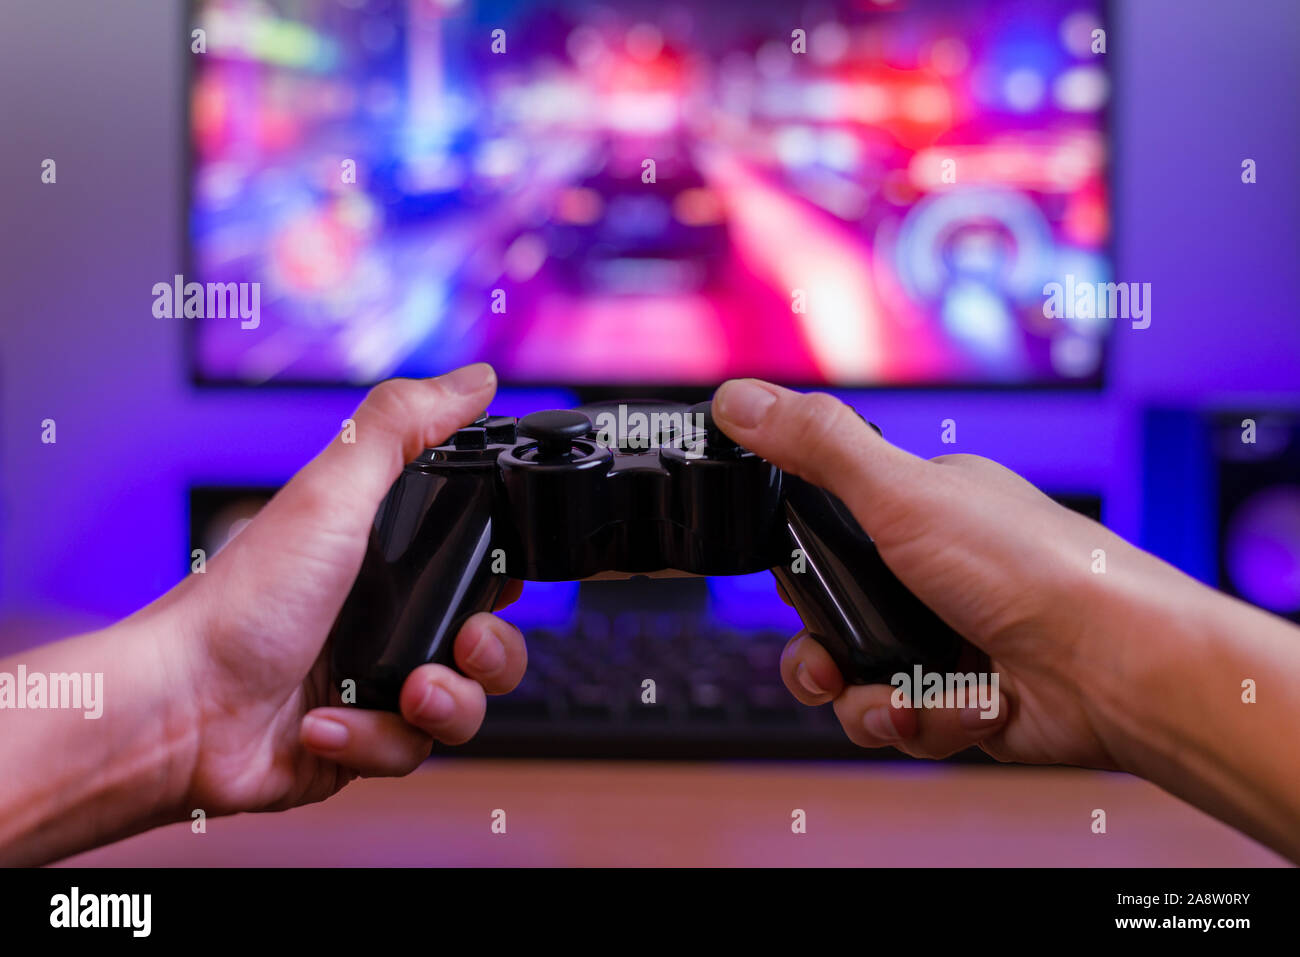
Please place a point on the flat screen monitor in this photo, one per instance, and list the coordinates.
(849, 193)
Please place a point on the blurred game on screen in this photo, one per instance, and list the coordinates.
(876, 200)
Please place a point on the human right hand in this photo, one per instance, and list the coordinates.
(993, 556)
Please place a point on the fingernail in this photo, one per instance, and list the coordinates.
(324, 734)
(806, 679)
(470, 379)
(880, 724)
(438, 704)
(488, 656)
(743, 401)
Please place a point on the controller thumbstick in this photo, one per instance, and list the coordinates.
(555, 431)
(714, 438)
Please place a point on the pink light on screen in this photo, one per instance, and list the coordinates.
(1087, 216)
(914, 107)
(783, 242)
(851, 337)
(669, 338)
(314, 254)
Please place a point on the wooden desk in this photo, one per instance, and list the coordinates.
(870, 814)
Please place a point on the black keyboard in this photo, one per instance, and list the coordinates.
(717, 694)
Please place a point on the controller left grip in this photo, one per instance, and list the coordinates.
(426, 571)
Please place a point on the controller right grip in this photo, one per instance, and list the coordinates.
(426, 570)
(870, 623)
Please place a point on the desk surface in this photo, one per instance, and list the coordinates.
(717, 814)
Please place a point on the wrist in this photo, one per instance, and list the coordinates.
(81, 781)
(167, 751)
(1182, 704)
(1144, 620)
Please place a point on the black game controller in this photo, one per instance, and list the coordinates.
(613, 491)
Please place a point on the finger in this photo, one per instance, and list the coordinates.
(373, 743)
(448, 706)
(820, 439)
(944, 731)
(780, 590)
(322, 518)
(889, 726)
(398, 420)
(870, 719)
(491, 652)
(510, 594)
(809, 672)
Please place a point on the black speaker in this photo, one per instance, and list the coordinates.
(219, 512)
(1257, 478)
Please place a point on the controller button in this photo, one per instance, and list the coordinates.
(714, 439)
(474, 437)
(500, 429)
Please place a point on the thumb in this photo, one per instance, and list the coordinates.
(822, 440)
(343, 486)
(297, 559)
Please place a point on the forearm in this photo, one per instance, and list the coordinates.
(1177, 707)
(69, 780)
